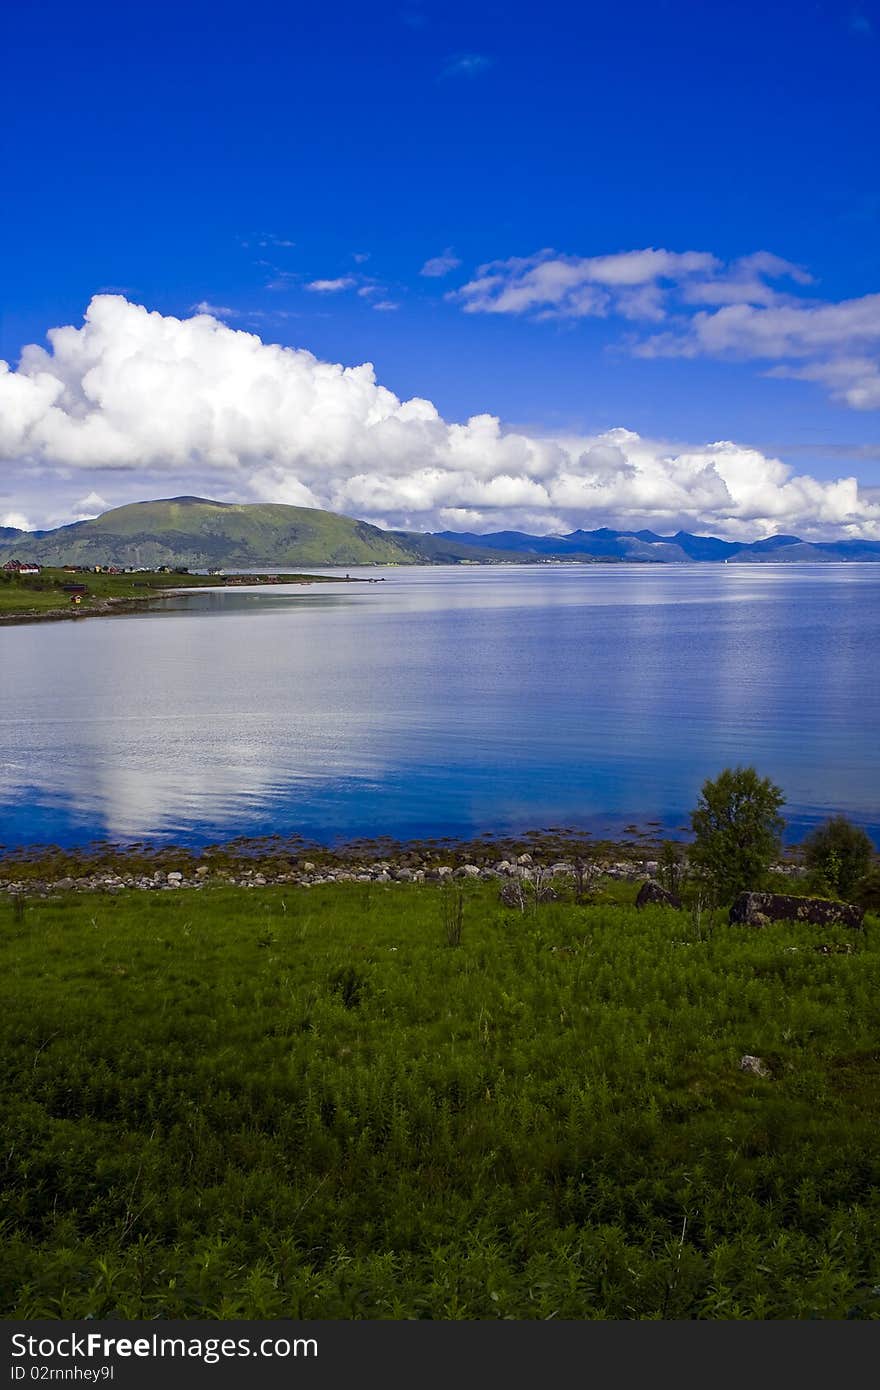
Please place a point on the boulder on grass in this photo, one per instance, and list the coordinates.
(755, 1066)
(512, 895)
(757, 909)
(652, 894)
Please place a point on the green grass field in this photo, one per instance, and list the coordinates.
(31, 595)
(304, 1103)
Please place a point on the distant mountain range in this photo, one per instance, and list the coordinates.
(202, 534)
(677, 549)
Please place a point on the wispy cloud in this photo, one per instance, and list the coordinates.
(343, 282)
(217, 311)
(550, 285)
(859, 23)
(266, 239)
(281, 279)
(385, 304)
(835, 344)
(438, 266)
(467, 65)
(755, 307)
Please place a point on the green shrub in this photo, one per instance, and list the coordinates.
(838, 854)
(867, 890)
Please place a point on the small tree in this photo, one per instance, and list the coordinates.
(670, 869)
(838, 854)
(737, 829)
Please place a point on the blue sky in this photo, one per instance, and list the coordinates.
(293, 172)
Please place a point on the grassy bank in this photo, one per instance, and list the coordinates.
(304, 1102)
(43, 595)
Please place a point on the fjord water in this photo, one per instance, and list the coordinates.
(444, 701)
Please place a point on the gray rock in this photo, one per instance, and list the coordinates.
(511, 895)
(757, 909)
(755, 1066)
(654, 894)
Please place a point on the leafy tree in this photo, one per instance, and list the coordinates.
(737, 829)
(839, 854)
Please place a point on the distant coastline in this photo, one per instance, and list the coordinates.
(202, 534)
(32, 597)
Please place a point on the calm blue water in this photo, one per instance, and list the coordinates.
(445, 701)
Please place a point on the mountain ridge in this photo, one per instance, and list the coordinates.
(680, 548)
(202, 533)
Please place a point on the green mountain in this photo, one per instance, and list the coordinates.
(202, 534)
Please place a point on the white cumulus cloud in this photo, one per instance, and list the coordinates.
(17, 521)
(139, 404)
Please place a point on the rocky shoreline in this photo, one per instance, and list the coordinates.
(408, 868)
(110, 606)
(101, 608)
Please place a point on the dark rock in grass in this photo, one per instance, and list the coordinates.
(511, 895)
(757, 909)
(653, 894)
